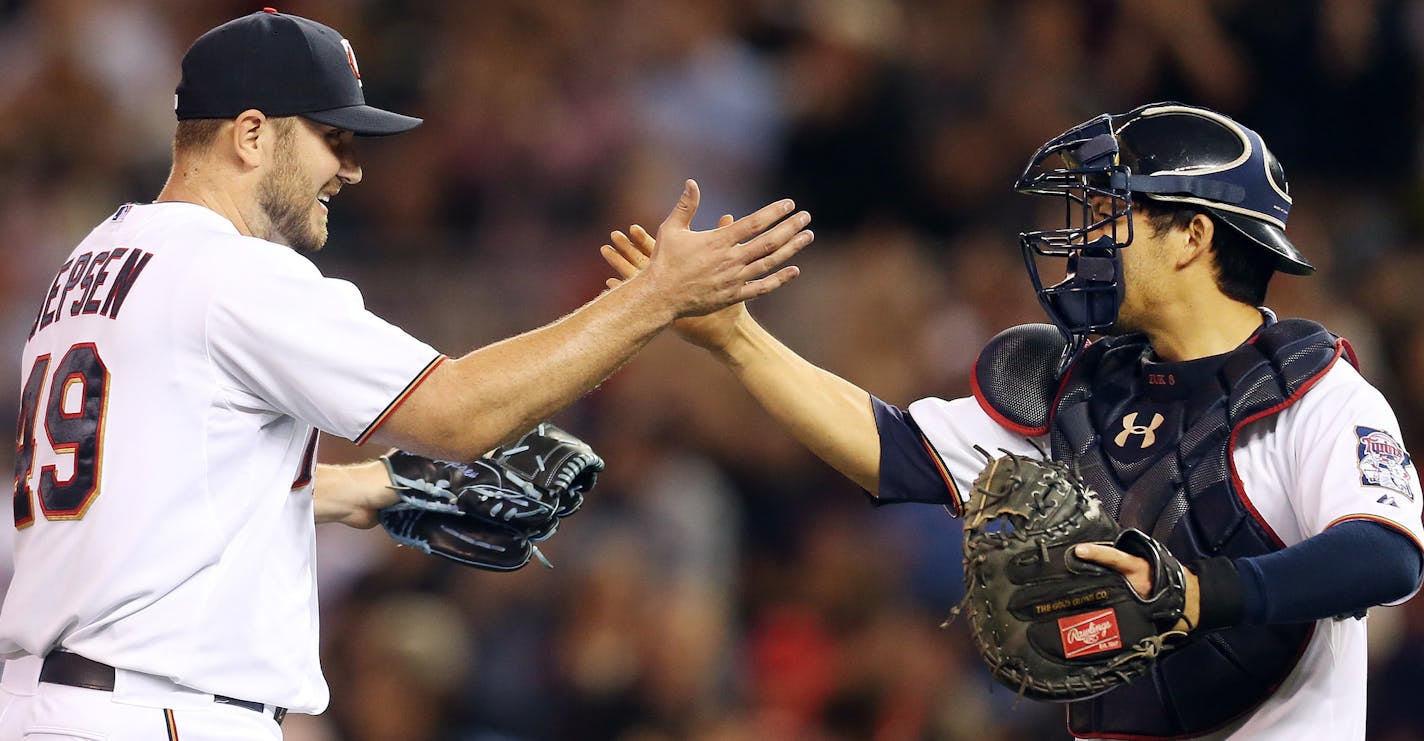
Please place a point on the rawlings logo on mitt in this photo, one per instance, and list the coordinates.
(489, 513)
(1049, 625)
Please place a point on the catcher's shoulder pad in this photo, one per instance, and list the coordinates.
(1016, 379)
(1300, 346)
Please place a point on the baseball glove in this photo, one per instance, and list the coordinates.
(489, 513)
(1049, 625)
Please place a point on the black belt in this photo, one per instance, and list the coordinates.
(73, 670)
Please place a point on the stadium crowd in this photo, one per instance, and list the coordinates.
(721, 584)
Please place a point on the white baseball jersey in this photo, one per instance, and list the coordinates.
(1333, 456)
(173, 385)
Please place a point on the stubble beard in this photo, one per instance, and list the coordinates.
(288, 207)
(1127, 322)
(1122, 327)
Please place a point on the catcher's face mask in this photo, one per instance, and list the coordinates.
(1168, 152)
(1091, 180)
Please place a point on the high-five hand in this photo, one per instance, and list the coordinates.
(629, 254)
(703, 271)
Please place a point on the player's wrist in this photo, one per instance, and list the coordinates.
(651, 300)
(352, 494)
(738, 346)
(1220, 594)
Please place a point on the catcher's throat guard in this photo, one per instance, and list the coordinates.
(1049, 625)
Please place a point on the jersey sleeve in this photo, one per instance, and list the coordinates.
(953, 428)
(286, 339)
(910, 468)
(1349, 459)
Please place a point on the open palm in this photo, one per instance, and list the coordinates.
(629, 254)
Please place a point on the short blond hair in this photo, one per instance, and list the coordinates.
(195, 134)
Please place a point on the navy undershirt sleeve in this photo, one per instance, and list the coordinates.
(1348, 568)
(907, 472)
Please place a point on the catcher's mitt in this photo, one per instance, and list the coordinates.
(1049, 625)
(490, 512)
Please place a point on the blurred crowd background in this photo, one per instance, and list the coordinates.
(720, 584)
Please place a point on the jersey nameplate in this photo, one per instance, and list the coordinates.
(85, 276)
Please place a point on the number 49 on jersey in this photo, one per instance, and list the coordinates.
(71, 417)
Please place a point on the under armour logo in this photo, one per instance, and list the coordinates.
(1130, 428)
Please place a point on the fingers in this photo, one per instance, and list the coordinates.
(1134, 569)
(762, 286)
(642, 239)
(686, 208)
(781, 254)
(635, 253)
(739, 259)
(779, 235)
(770, 251)
(747, 227)
(1106, 555)
(617, 260)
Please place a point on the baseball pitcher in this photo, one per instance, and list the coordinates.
(181, 363)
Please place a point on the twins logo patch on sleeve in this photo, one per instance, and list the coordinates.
(1384, 463)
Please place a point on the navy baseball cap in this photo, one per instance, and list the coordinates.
(282, 65)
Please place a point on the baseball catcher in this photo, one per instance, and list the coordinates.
(1249, 446)
(489, 513)
(1050, 625)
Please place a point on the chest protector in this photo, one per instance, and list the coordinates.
(1159, 457)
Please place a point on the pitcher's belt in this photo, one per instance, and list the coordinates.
(73, 670)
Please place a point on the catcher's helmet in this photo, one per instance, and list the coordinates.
(1163, 151)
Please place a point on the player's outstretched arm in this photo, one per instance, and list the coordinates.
(468, 406)
(829, 415)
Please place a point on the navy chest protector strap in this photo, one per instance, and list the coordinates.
(1184, 491)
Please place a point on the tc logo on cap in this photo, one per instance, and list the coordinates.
(281, 65)
(351, 60)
